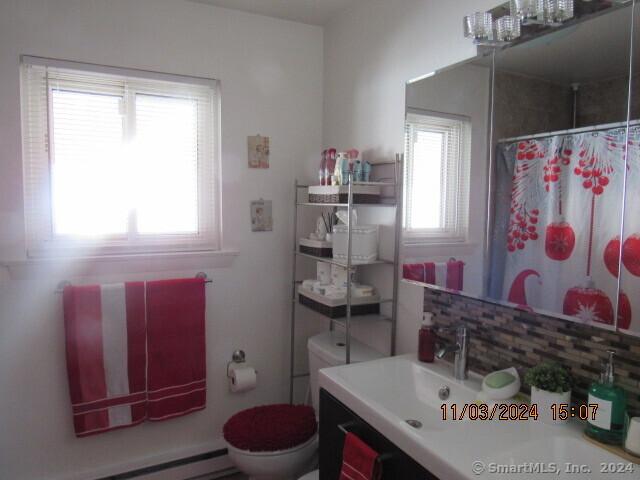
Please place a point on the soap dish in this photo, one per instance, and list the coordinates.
(501, 385)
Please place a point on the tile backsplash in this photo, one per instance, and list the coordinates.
(503, 337)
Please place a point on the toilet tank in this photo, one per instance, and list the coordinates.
(329, 349)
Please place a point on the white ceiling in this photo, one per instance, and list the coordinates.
(314, 12)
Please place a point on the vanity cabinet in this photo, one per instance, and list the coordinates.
(335, 419)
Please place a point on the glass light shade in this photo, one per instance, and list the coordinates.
(507, 28)
(525, 9)
(555, 12)
(478, 26)
(564, 10)
(468, 26)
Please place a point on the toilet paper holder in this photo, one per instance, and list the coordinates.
(238, 356)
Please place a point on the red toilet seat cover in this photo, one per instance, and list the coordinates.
(271, 427)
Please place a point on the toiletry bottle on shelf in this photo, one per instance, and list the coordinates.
(337, 173)
(346, 169)
(426, 339)
(342, 168)
(607, 426)
(330, 166)
(366, 171)
(357, 171)
(323, 168)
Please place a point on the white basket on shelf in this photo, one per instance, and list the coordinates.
(364, 243)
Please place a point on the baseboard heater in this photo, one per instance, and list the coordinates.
(156, 471)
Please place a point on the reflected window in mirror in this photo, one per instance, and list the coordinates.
(437, 153)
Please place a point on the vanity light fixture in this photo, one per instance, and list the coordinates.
(481, 28)
(542, 12)
(484, 31)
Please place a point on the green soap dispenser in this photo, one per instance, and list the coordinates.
(607, 425)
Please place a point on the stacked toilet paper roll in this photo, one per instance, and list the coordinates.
(242, 377)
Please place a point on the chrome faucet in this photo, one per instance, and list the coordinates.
(461, 350)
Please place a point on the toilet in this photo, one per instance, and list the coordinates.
(315, 475)
(286, 449)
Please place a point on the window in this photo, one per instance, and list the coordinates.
(437, 178)
(117, 161)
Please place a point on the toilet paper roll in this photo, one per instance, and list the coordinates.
(242, 378)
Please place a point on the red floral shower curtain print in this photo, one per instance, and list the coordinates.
(564, 226)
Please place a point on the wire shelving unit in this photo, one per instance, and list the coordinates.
(346, 322)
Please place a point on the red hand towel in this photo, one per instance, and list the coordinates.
(176, 347)
(359, 460)
(455, 275)
(413, 271)
(105, 348)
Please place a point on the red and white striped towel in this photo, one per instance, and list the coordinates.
(106, 359)
(445, 274)
(176, 347)
(134, 352)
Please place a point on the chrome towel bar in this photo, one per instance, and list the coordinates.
(344, 428)
(66, 283)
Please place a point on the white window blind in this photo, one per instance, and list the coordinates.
(437, 178)
(118, 162)
(88, 165)
(174, 165)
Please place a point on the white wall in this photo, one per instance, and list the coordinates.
(370, 53)
(271, 74)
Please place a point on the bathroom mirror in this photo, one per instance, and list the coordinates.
(541, 153)
(629, 301)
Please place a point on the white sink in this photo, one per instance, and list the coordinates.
(565, 457)
(388, 392)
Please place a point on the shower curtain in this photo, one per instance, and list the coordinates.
(557, 231)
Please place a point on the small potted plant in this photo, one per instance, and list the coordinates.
(550, 385)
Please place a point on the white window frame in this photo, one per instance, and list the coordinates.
(455, 177)
(38, 151)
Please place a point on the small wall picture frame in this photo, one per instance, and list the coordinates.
(258, 147)
(261, 216)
